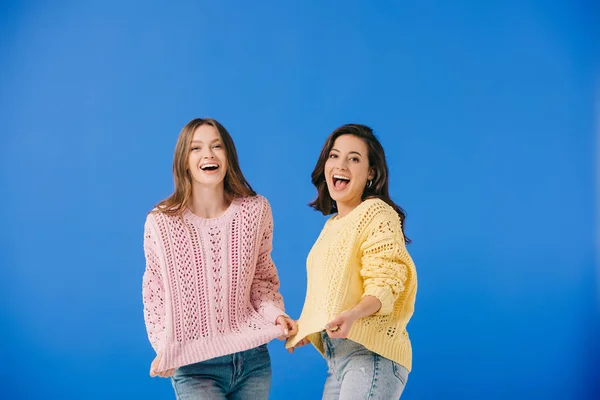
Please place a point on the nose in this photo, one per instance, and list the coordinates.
(341, 164)
(208, 153)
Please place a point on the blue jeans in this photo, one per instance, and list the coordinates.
(358, 373)
(238, 376)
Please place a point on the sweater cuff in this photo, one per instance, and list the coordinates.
(270, 312)
(384, 295)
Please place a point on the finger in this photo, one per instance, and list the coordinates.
(153, 370)
(336, 321)
(293, 327)
(287, 326)
(333, 326)
(167, 373)
(341, 334)
(282, 322)
(334, 333)
(302, 342)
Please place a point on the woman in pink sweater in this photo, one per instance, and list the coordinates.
(210, 289)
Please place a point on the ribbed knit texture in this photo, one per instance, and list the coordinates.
(361, 254)
(210, 287)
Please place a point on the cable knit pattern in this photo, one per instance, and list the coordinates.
(362, 254)
(210, 287)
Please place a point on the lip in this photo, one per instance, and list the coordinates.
(336, 177)
(208, 164)
(340, 176)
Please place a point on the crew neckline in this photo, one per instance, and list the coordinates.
(227, 215)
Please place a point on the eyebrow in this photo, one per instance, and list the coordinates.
(352, 152)
(201, 142)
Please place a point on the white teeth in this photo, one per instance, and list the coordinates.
(208, 166)
(345, 178)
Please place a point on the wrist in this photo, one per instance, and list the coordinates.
(353, 314)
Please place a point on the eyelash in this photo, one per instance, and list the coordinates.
(216, 146)
(354, 159)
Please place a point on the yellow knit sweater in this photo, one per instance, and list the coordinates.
(362, 254)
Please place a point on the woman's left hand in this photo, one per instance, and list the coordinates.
(339, 327)
(288, 326)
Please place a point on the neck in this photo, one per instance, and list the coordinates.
(208, 202)
(344, 208)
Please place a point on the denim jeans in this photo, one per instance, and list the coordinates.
(238, 376)
(358, 373)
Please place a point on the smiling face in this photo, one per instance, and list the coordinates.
(347, 170)
(207, 161)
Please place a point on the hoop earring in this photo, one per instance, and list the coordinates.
(369, 183)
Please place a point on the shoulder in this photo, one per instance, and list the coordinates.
(158, 222)
(379, 218)
(255, 203)
(375, 208)
(151, 218)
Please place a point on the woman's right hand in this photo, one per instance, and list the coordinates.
(303, 342)
(154, 366)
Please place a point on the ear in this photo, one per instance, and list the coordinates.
(371, 175)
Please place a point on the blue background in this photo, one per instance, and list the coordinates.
(486, 112)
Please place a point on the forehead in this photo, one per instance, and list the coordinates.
(347, 143)
(205, 133)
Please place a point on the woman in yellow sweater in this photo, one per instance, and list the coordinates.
(361, 280)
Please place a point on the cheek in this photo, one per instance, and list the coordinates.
(360, 174)
(328, 166)
(223, 159)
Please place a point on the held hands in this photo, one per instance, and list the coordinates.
(154, 366)
(288, 326)
(339, 327)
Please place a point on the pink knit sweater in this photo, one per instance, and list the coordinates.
(210, 287)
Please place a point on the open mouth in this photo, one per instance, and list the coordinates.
(209, 167)
(340, 182)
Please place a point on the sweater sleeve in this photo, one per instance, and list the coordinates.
(264, 293)
(383, 255)
(153, 292)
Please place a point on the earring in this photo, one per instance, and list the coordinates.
(369, 183)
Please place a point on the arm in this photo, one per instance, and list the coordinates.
(264, 293)
(339, 327)
(153, 293)
(383, 271)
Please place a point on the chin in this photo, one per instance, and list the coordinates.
(336, 197)
(213, 182)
